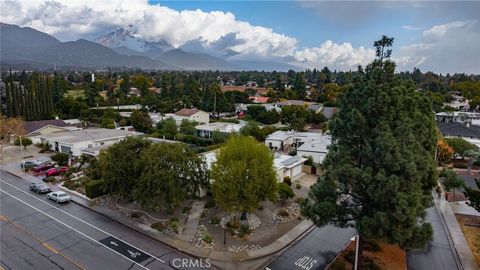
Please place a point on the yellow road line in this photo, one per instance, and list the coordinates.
(49, 247)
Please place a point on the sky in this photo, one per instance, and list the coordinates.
(439, 36)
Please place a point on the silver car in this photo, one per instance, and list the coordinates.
(58, 196)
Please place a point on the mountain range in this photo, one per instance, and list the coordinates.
(27, 48)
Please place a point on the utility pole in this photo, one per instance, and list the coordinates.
(357, 244)
(21, 151)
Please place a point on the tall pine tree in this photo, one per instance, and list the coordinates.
(380, 168)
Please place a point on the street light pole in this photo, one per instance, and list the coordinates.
(357, 242)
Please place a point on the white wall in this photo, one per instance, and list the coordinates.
(316, 156)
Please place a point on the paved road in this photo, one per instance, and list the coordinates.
(315, 250)
(438, 255)
(39, 234)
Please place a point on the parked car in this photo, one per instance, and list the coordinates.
(27, 165)
(40, 188)
(58, 196)
(42, 167)
(55, 171)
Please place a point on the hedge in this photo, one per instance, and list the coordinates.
(94, 189)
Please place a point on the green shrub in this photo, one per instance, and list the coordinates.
(210, 203)
(287, 180)
(285, 192)
(207, 238)
(94, 189)
(215, 221)
(159, 226)
(25, 142)
(49, 179)
(298, 185)
(61, 158)
(244, 229)
(173, 219)
(136, 215)
(309, 161)
(283, 213)
(174, 225)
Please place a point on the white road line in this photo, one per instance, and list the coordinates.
(70, 227)
(81, 220)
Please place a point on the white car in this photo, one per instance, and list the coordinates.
(58, 196)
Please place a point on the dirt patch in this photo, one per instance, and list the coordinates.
(471, 230)
(390, 257)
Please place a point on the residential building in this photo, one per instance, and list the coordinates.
(43, 127)
(328, 112)
(206, 130)
(73, 142)
(284, 165)
(470, 133)
(307, 144)
(472, 118)
(188, 114)
(459, 103)
(258, 99)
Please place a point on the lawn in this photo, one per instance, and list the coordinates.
(75, 93)
(471, 230)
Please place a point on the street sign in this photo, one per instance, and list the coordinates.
(125, 249)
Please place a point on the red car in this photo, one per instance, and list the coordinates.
(42, 167)
(55, 171)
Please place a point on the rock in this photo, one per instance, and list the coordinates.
(293, 213)
(235, 248)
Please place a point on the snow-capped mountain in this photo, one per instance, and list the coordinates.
(125, 42)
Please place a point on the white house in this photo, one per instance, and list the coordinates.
(472, 118)
(73, 142)
(206, 130)
(189, 114)
(285, 165)
(307, 144)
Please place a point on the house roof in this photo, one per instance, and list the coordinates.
(94, 134)
(32, 126)
(259, 99)
(329, 111)
(458, 129)
(187, 112)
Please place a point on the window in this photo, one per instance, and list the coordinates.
(65, 149)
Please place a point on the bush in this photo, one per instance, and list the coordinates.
(136, 215)
(25, 142)
(299, 200)
(94, 189)
(287, 180)
(159, 226)
(244, 229)
(207, 238)
(285, 192)
(210, 203)
(61, 158)
(174, 225)
(49, 179)
(283, 213)
(298, 185)
(173, 219)
(215, 221)
(309, 161)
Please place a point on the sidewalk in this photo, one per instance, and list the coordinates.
(461, 247)
(179, 244)
(192, 222)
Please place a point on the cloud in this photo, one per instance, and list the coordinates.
(446, 48)
(411, 28)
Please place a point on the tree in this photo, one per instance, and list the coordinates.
(295, 116)
(255, 110)
(243, 175)
(444, 151)
(219, 137)
(188, 127)
(460, 146)
(141, 121)
(25, 142)
(268, 117)
(107, 123)
(171, 174)
(452, 181)
(473, 196)
(8, 128)
(168, 128)
(61, 158)
(121, 166)
(380, 168)
(285, 192)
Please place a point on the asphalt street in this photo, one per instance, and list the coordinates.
(438, 255)
(315, 250)
(40, 234)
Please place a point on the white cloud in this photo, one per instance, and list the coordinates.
(212, 31)
(451, 47)
(411, 28)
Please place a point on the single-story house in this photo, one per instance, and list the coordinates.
(470, 133)
(190, 114)
(328, 112)
(258, 99)
(73, 142)
(307, 144)
(43, 127)
(206, 130)
(285, 165)
(472, 118)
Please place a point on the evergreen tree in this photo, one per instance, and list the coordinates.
(380, 168)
